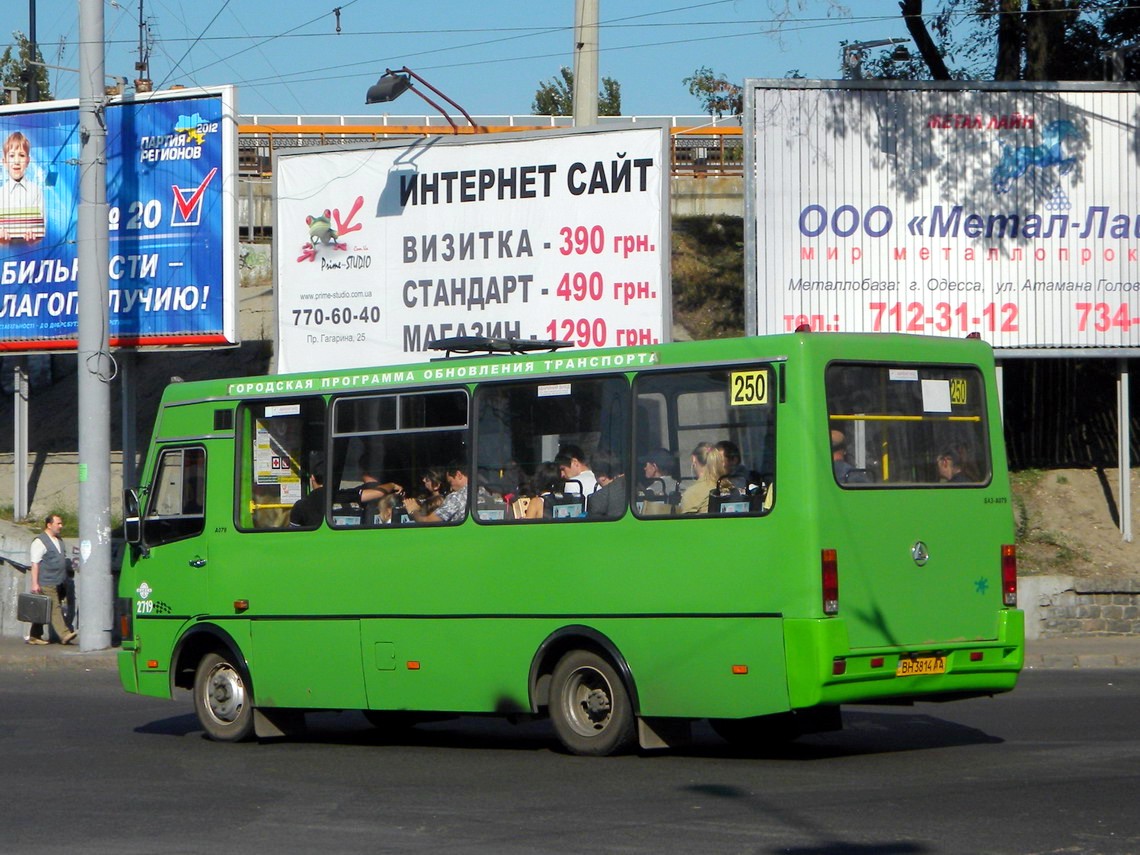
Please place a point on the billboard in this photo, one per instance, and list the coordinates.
(1008, 210)
(172, 243)
(383, 249)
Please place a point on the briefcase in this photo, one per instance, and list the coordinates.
(33, 608)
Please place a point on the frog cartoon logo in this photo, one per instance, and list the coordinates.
(326, 229)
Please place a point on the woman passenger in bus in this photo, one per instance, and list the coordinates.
(547, 485)
(434, 484)
(708, 468)
(453, 508)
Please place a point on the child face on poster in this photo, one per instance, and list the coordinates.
(17, 156)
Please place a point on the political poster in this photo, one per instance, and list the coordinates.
(170, 196)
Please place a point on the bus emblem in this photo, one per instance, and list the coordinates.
(144, 590)
(920, 553)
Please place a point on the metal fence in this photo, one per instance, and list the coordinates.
(700, 149)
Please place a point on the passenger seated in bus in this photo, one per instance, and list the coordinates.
(845, 472)
(309, 511)
(734, 470)
(950, 467)
(371, 492)
(609, 500)
(708, 468)
(434, 484)
(659, 467)
(547, 486)
(572, 466)
(454, 504)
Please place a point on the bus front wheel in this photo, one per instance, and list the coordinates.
(221, 700)
(589, 706)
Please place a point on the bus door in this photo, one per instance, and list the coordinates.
(171, 570)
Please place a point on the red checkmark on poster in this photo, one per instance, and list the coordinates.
(185, 203)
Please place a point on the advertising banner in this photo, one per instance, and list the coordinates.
(172, 243)
(382, 250)
(998, 209)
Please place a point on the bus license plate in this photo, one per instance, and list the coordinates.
(912, 666)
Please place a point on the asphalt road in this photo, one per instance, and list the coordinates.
(1053, 767)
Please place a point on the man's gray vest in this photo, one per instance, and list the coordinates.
(53, 566)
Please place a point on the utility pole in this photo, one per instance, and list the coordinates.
(585, 63)
(32, 70)
(94, 358)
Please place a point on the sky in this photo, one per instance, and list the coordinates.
(287, 58)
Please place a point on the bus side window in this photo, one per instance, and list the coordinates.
(383, 445)
(728, 416)
(178, 496)
(276, 444)
(521, 429)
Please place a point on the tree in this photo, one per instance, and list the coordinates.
(1005, 39)
(16, 70)
(717, 94)
(1026, 39)
(555, 97)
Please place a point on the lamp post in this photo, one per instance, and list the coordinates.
(854, 52)
(393, 84)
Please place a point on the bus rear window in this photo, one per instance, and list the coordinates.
(907, 425)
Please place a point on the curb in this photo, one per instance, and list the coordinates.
(16, 655)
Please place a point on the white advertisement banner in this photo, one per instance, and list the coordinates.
(382, 250)
(1009, 212)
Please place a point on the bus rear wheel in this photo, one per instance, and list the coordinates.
(221, 700)
(589, 706)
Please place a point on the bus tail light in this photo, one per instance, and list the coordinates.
(829, 567)
(126, 611)
(1009, 574)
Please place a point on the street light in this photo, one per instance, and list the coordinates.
(853, 54)
(393, 84)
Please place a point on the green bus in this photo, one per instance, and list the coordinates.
(790, 523)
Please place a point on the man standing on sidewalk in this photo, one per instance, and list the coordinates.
(49, 576)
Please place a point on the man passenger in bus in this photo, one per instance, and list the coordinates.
(609, 500)
(309, 511)
(734, 470)
(658, 468)
(454, 504)
(950, 467)
(572, 466)
(708, 468)
(839, 456)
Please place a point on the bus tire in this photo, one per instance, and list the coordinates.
(222, 699)
(590, 707)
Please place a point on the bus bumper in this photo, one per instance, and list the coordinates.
(822, 669)
(128, 676)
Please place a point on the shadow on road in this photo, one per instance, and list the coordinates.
(864, 733)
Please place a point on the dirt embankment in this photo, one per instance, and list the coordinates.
(1068, 522)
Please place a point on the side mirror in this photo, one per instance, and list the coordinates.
(132, 524)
